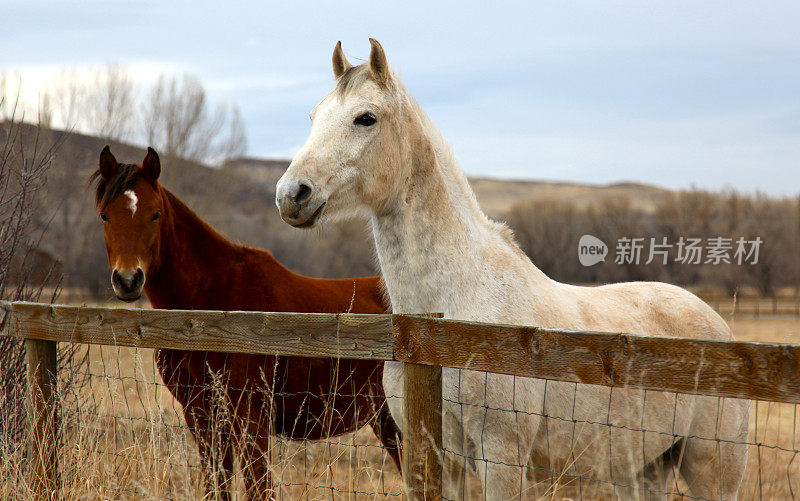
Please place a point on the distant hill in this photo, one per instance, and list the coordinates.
(265, 172)
(496, 196)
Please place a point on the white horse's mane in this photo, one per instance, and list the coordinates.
(448, 165)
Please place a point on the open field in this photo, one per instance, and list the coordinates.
(125, 438)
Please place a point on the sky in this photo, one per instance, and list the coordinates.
(676, 94)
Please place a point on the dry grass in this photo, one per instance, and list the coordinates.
(124, 438)
(773, 470)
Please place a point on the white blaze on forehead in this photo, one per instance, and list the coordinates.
(133, 200)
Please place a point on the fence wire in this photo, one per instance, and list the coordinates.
(124, 436)
(772, 470)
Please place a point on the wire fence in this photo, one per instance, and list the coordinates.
(772, 470)
(129, 433)
(124, 435)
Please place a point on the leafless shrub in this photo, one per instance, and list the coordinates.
(549, 233)
(23, 173)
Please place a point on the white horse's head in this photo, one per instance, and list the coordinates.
(358, 157)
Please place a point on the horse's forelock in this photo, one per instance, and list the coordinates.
(107, 191)
(354, 77)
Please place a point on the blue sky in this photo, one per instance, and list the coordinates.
(669, 93)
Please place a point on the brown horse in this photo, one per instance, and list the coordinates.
(157, 244)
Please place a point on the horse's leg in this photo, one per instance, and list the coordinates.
(714, 469)
(258, 475)
(499, 439)
(174, 367)
(654, 481)
(498, 477)
(255, 458)
(389, 434)
(213, 436)
(501, 453)
(453, 479)
(215, 452)
(255, 416)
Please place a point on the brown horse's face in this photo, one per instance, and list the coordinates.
(131, 222)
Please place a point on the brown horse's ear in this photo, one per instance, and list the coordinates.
(151, 166)
(108, 164)
(340, 62)
(378, 65)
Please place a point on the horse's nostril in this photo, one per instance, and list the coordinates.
(303, 194)
(138, 279)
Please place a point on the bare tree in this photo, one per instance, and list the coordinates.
(3, 100)
(234, 145)
(45, 112)
(179, 122)
(110, 103)
(9, 97)
(68, 93)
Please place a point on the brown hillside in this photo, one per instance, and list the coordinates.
(496, 196)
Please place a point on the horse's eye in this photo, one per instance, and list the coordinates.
(365, 119)
(103, 216)
(156, 215)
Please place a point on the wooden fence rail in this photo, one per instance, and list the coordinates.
(761, 371)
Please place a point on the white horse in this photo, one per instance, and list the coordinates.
(373, 151)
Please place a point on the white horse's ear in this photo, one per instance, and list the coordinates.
(340, 63)
(378, 65)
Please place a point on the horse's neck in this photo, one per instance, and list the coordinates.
(438, 251)
(188, 273)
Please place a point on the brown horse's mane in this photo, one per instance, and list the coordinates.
(107, 191)
(125, 179)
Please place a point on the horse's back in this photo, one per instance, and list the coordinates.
(267, 285)
(648, 308)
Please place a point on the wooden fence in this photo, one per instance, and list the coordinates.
(761, 371)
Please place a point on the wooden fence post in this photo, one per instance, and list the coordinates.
(42, 418)
(422, 431)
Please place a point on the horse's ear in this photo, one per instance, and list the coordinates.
(378, 65)
(151, 166)
(108, 164)
(340, 62)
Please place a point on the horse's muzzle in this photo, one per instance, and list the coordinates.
(127, 285)
(296, 203)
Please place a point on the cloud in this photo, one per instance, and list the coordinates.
(674, 94)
